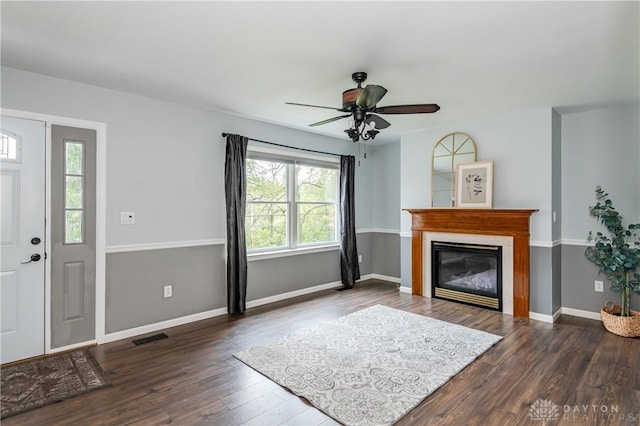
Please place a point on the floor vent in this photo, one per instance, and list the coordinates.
(150, 339)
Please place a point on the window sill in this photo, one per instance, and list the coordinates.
(291, 252)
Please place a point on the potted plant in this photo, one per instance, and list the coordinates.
(618, 256)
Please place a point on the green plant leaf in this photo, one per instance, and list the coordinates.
(617, 254)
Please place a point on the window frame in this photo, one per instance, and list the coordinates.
(292, 159)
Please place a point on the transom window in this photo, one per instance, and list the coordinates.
(291, 202)
(10, 146)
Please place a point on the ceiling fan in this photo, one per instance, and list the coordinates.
(361, 104)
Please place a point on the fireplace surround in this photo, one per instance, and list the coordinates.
(510, 226)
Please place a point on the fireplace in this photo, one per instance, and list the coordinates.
(467, 273)
(509, 226)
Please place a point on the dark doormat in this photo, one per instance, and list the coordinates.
(43, 381)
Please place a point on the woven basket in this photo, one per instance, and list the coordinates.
(622, 326)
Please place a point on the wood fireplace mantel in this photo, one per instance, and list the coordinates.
(503, 222)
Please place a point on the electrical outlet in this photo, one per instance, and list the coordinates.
(359, 258)
(168, 291)
(599, 286)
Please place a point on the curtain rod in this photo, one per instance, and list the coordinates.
(224, 135)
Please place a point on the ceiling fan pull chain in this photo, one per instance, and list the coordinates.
(364, 145)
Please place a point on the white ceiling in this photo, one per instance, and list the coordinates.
(249, 58)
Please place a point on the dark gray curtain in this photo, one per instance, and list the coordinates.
(235, 189)
(349, 267)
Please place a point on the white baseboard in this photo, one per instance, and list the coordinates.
(546, 318)
(565, 311)
(289, 295)
(380, 277)
(71, 347)
(302, 292)
(150, 328)
(407, 290)
(580, 313)
(541, 317)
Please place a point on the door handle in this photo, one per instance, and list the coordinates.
(34, 258)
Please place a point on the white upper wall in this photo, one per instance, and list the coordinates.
(385, 184)
(600, 147)
(519, 143)
(596, 147)
(165, 161)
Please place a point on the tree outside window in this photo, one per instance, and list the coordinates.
(290, 205)
(316, 193)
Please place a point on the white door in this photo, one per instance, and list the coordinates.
(22, 256)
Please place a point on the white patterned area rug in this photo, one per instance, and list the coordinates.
(370, 367)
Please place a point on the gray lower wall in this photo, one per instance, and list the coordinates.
(578, 276)
(556, 277)
(135, 280)
(540, 281)
(405, 261)
(270, 277)
(386, 254)
(560, 277)
(365, 249)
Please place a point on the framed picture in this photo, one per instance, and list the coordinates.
(474, 185)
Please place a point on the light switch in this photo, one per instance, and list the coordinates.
(127, 218)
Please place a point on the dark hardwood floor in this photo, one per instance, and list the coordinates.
(191, 378)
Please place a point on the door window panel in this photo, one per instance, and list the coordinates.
(74, 192)
(73, 227)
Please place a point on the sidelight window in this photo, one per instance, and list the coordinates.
(74, 184)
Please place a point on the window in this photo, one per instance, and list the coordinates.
(291, 202)
(10, 146)
(267, 204)
(316, 204)
(73, 192)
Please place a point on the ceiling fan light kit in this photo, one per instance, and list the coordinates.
(361, 104)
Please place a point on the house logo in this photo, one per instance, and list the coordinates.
(544, 410)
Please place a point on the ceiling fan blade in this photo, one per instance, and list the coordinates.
(380, 123)
(330, 120)
(407, 109)
(370, 96)
(315, 106)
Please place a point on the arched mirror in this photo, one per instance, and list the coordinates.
(453, 149)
